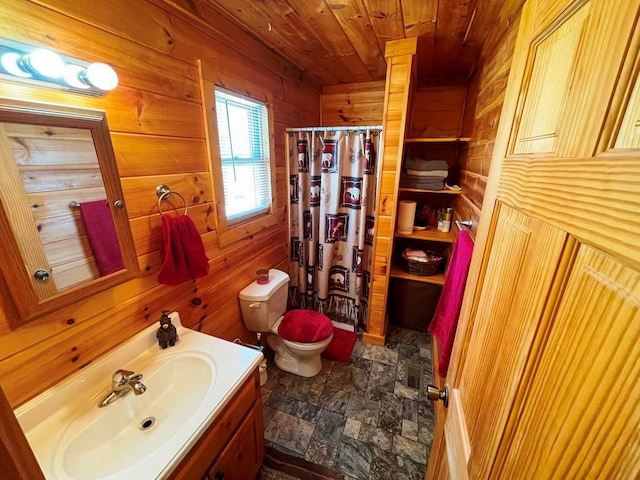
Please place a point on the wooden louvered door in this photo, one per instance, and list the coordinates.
(545, 373)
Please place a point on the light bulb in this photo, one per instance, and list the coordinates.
(11, 63)
(102, 76)
(45, 62)
(73, 76)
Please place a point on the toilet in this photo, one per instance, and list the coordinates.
(298, 337)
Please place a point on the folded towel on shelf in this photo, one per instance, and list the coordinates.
(101, 233)
(445, 320)
(428, 173)
(429, 183)
(413, 253)
(416, 163)
(183, 253)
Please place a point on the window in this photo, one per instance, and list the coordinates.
(238, 116)
(243, 136)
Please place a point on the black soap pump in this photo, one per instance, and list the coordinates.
(167, 334)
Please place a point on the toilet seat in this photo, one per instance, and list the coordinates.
(304, 327)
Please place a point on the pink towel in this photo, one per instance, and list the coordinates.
(101, 232)
(183, 252)
(445, 320)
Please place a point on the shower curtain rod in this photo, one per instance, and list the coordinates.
(334, 129)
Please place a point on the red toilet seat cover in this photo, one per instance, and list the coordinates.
(305, 326)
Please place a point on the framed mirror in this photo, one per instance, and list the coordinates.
(63, 222)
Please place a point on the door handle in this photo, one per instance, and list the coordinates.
(434, 394)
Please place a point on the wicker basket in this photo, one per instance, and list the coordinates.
(416, 267)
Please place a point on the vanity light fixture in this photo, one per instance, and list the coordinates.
(40, 66)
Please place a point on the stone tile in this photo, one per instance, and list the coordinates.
(313, 397)
(278, 380)
(363, 409)
(360, 380)
(264, 395)
(267, 413)
(290, 432)
(409, 352)
(381, 380)
(401, 371)
(361, 363)
(327, 364)
(282, 402)
(306, 411)
(321, 453)
(387, 466)
(335, 400)
(426, 412)
(329, 427)
(425, 434)
(410, 409)
(292, 406)
(425, 353)
(410, 430)
(358, 349)
(352, 428)
(425, 340)
(357, 411)
(402, 390)
(320, 380)
(390, 417)
(381, 355)
(299, 389)
(341, 378)
(377, 437)
(410, 449)
(354, 458)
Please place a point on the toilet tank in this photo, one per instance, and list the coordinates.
(262, 305)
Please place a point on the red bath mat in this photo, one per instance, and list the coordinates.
(341, 345)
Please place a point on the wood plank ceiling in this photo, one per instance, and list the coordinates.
(342, 41)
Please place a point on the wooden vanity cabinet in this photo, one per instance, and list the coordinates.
(233, 446)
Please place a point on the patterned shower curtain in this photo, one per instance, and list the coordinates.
(332, 195)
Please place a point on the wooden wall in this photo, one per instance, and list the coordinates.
(437, 111)
(352, 104)
(485, 96)
(156, 122)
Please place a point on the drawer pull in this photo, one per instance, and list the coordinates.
(219, 475)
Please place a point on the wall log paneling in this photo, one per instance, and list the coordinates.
(485, 96)
(353, 104)
(157, 129)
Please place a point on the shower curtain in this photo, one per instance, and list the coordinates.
(332, 195)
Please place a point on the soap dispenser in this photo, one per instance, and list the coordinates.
(167, 334)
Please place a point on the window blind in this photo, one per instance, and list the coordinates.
(243, 134)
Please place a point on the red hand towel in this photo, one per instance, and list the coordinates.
(183, 252)
(101, 232)
(445, 320)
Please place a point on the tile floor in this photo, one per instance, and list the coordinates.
(359, 418)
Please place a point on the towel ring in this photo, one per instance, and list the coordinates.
(163, 192)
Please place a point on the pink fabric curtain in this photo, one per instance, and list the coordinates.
(332, 196)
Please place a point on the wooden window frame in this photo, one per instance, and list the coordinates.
(230, 231)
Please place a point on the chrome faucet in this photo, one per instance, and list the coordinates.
(123, 382)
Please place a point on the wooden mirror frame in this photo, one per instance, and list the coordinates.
(25, 302)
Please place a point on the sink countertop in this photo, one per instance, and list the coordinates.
(66, 412)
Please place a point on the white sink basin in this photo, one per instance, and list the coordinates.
(137, 436)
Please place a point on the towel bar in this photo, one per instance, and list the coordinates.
(464, 223)
(163, 192)
(255, 347)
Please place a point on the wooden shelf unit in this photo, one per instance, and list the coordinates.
(430, 234)
(398, 272)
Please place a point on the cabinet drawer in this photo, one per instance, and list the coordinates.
(199, 459)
